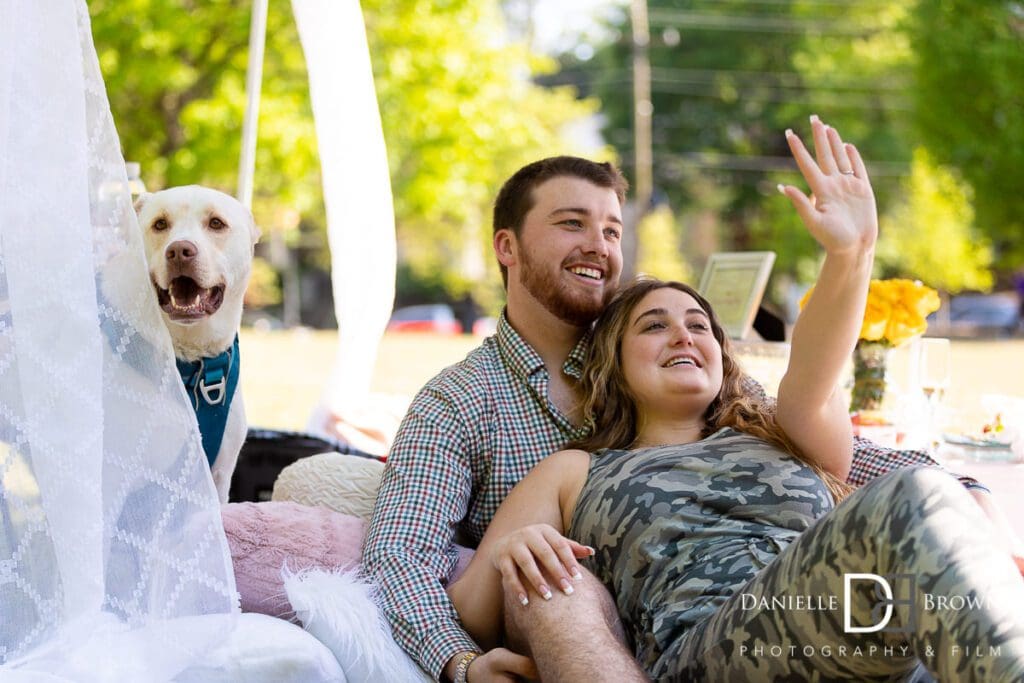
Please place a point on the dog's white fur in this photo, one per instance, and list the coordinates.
(199, 233)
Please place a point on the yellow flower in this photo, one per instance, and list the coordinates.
(903, 326)
(895, 310)
(876, 317)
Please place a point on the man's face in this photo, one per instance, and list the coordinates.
(569, 250)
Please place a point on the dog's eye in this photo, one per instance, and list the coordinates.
(160, 224)
(217, 224)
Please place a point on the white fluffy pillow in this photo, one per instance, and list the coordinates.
(341, 611)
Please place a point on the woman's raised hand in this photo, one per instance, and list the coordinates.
(840, 213)
(532, 548)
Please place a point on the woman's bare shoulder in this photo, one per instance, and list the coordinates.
(571, 459)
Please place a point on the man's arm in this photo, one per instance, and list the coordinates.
(871, 460)
(409, 549)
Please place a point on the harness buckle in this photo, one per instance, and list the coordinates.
(219, 388)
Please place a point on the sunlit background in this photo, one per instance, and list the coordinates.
(469, 90)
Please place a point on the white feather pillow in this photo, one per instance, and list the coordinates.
(341, 611)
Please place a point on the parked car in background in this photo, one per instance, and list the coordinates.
(978, 315)
(437, 318)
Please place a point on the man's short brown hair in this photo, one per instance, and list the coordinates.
(515, 199)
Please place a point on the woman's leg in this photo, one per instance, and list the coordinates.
(959, 601)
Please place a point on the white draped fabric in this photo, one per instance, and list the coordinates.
(357, 195)
(113, 560)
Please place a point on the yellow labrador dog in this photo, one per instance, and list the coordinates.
(199, 246)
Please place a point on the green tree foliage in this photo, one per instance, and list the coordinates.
(727, 79)
(660, 253)
(459, 109)
(175, 75)
(929, 233)
(969, 92)
(460, 114)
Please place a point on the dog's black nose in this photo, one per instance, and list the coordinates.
(181, 251)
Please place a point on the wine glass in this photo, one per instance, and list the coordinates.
(935, 372)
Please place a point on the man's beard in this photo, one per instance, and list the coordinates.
(543, 286)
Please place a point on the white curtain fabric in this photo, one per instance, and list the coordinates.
(357, 197)
(113, 560)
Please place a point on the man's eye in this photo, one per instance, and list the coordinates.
(160, 224)
(612, 233)
(217, 224)
(573, 223)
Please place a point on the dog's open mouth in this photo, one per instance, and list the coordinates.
(184, 299)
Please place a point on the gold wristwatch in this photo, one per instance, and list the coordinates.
(462, 668)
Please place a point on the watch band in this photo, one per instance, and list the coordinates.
(462, 668)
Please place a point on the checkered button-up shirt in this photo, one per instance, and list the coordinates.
(470, 435)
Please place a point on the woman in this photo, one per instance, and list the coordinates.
(713, 519)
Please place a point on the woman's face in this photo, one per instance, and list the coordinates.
(670, 357)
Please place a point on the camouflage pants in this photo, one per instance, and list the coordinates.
(957, 601)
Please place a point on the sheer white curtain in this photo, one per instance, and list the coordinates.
(113, 561)
(357, 198)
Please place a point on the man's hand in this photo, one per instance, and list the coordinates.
(521, 550)
(501, 665)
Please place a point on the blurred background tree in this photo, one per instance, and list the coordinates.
(727, 77)
(969, 107)
(930, 92)
(459, 109)
(929, 231)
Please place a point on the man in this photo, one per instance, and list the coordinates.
(478, 427)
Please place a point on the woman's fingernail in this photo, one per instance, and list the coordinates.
(781, 188)
(545, 592)
(576, 574)
(523, 600)
(566, 587)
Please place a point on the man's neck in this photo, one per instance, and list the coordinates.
(551, 337)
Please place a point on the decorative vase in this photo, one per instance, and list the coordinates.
(869, 362)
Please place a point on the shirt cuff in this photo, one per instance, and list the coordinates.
(442, 644)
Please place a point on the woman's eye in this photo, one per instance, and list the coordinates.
(703, 327)
(654, 326)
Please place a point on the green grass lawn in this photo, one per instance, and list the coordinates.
(284, 371)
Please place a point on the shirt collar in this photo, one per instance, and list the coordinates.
(525, 361)
(518, 355)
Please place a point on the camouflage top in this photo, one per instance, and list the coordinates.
(678, 529)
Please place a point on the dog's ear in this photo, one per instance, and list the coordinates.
(254, 230)
(141, 200)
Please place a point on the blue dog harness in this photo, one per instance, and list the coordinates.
(211, 383)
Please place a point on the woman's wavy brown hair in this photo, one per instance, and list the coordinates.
(610, 408)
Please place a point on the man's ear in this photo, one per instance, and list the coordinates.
(506, 247)
(141, 200)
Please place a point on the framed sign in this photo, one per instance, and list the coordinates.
(734, 283)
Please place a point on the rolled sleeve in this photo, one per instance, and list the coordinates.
(871, 460)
